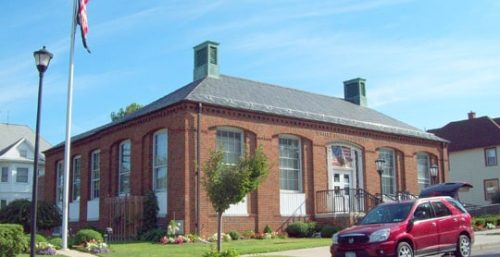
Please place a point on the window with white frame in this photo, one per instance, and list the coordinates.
(290, 165)
(95, 174)
(22, 175)
(23, 153)
(230, 142)
(3, 203)
(59, 182)
(424, 176)
(490, 155)
(75, 193)
(124, 168)
(389, 174)
(160, 161)
(5, 175)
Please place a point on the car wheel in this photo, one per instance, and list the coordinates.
(463, 246)
(404, 250)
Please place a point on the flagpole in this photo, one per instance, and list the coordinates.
(67, 145)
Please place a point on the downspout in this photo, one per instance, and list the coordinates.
(198, 169)
(443, 145)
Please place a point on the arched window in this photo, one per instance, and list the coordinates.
(124, 168)
(389, 174)
(290, 163)
(160, 161)
(423, 164)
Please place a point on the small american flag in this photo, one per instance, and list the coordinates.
(82, 21)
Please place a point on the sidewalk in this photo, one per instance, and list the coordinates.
(74, 253)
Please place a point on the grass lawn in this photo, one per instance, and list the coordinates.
(144, 249)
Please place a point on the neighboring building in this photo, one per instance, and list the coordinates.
(473, 150)
(16, 162)
(322, 152)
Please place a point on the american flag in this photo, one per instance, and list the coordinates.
(82, 21)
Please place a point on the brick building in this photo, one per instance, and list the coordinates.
(322, 152)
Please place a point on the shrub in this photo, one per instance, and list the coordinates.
(247, 234)
(234, 235)
(490, 220)
(328, 231)
(153, 235)
(301, 229)
(225, 253)
(38, 239)
(44, 248)
(267, 229)
(12, 240)
(87, 235)
(19, 212)
(479, 222)
(56, 242)
(150, 212)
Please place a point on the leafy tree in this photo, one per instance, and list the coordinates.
(227, 184)
(150, 212)
(19, 212)
(122, 112)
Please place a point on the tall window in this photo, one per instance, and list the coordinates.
(424, 176)
(490, 155)
(95, 172)
(3, 204)
(229, 141)
(5, 175)
(160, 161)
(491, 187)
(22, 175)
(75, 195)
(59, 182)
(389, 174)
(124, 168)
(290, 168)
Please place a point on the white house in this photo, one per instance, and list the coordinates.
(473, 156)
(17, 146)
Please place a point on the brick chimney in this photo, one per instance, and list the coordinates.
(471, 115)
(354, 91)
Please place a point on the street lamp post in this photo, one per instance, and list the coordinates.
(42, 60)
(434, 172)
(380, 169)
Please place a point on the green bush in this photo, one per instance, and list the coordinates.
(12, 240)
(479, 221)
(301, 229)
(153, 235)
(267, 229)
(19, 212)
(56, 242)
(247, 234)
(234, 235)
(328, 231)
(225, 253)
(491, 220)
(87, 235)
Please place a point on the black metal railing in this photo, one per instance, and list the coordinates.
(344, 201)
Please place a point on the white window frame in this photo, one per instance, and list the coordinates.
(59, 182)
(226, 151)
(299, 170)
(157, 165)
(27, 175)
(76, 182)
(95, 174)
(490, 160)
(389, 170)
(3, 202)
(122, 172)
(425, 180)
(5, 170)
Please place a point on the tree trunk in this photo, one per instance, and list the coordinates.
(219, 231)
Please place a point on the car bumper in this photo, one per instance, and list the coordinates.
(366, 250)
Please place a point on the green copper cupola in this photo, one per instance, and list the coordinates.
(355, 92)
(206, 61)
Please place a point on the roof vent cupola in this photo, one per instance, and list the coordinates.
(206, 61)
(355, 92)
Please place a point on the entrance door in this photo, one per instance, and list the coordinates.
(341, 183)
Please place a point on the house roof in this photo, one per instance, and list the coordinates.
(250, 95)
(10, 134)
(470, 133)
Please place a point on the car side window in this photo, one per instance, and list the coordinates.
(441, 209)
(423, 211)
(457, 205)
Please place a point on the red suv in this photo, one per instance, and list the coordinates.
(420, 227)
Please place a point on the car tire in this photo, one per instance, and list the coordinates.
(404, 250)
(463, 246)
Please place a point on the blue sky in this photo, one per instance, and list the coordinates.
(426, 62)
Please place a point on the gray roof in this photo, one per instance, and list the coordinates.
(250, 95)
(10, 134)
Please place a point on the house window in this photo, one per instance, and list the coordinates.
(124, 168)
(95, 172)
(22, 175)
(75, 194)
(290, 168)
(424, 176)
(59, 182)
(490, 188)
(389, 174)
(490, 155)
(160, 161)
(229, 141)
(5, 175)
(23, 153)
(3, 204)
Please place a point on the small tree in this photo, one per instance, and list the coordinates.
(150, 212)
(122, 112)
(19, 212)
(227, 184)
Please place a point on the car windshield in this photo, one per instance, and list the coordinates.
(390, 213)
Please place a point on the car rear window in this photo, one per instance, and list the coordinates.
(457, 205)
